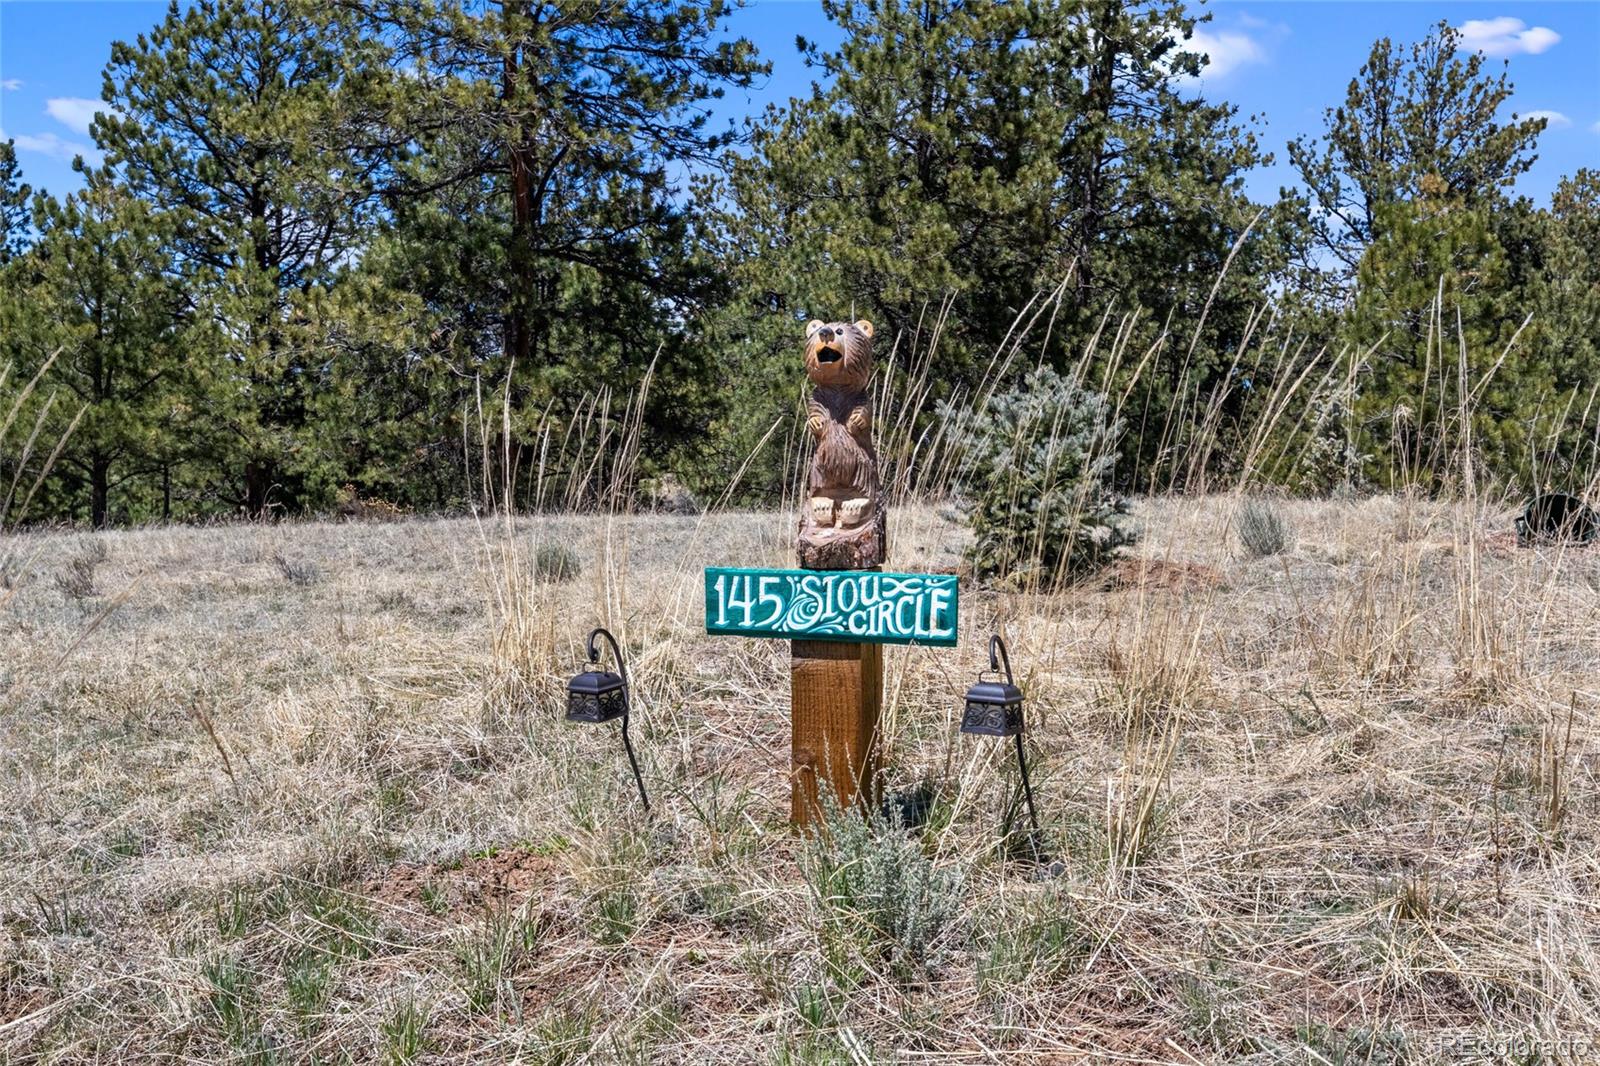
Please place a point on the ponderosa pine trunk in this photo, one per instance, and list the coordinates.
(99, 490)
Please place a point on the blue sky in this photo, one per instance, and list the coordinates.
(1284, 62)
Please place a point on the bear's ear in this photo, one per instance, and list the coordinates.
(865, 327)
(812, 326)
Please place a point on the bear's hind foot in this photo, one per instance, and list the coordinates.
(822, 511)
(854, 512)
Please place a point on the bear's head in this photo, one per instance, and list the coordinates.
(839, 354)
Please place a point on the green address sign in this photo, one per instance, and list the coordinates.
(858, 605)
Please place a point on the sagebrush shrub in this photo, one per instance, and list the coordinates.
(1036, 469)
(1263, 530)
(297, 571)
(556, 562)
(878, 892)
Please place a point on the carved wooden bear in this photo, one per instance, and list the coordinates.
(842, 522)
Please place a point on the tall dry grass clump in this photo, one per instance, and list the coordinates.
(28, 452)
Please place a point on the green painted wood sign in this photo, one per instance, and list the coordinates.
(855, 605)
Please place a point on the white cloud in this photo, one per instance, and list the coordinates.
(1506, 36)
(1553, 120)
(51, 145)
(75, 112)
(11, 84)
(1226, 51)
(1595, 128)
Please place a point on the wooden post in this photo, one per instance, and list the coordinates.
(836, 692)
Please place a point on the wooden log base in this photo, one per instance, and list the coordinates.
(836, 692)
(862, 548)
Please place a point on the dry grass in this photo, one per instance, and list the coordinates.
(304, 793)
(1332, 805)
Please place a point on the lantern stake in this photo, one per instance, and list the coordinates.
(994, 709)
(622, 668)
(998, 655)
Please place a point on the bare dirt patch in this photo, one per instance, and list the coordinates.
(1165, 575)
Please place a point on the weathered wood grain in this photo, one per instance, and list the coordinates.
(836, 693)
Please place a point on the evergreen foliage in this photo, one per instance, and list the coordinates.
(543, 223)
(101, 288)
(1560, 294)
(1444, 279)
(450, 254)
(1037, 469)
(260, 128)
(1435, 317)
(14, 195)
(959, 162)
(1423, 121)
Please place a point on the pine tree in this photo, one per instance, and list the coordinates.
(1409, 194)
(1037, 465)
(1561, 291)
(104, 291)
(985, 153)
(1438, 317)
(547, 222)
(1426, 117)
(14, 195)
(260, 126)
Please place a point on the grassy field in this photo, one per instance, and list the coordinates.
(303, 793)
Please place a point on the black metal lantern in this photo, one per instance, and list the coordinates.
(994, 709)
(597, 696)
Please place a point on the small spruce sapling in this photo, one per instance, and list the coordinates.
(1037, 469)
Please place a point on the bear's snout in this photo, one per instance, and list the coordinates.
(829, 342)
